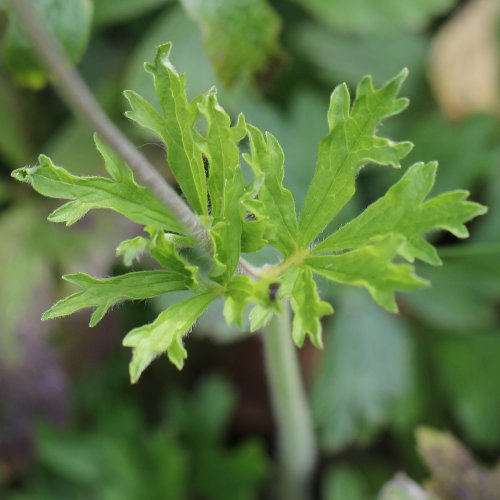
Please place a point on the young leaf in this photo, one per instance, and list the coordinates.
(404, 211)
(103, 293)
(275, 202)
(225, 184)
(350, 143)
(371, 267)
(238, 292)
(165, 333)
(220, 146)
(163, 247)
(174, 126)
(132, 249)
(308, 308)
(241, 36)
(120, 193)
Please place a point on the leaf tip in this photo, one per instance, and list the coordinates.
(21, 174)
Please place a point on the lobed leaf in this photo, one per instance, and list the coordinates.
(404, 211)
(132, 249)
(238, 293)
(275, 202)
(350, 144)
(371, 267)
(165, 333)
(220, 146)
(308, 308)
(164, 248)
(119, 193)
(174, 126)
(104, 293)
(225, 184)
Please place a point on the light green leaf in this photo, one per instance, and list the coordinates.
(68, 20)
(238, 292)
(259, 317)
(164, 248)
(371, 267)
(220, 146)
(275, 202)
(384, 16)
(226, 234)
(308, 308)
(350, 144)
(225, 184)
(165, 333)
(253, 235)
(120, 193)
(241, 36)
(132, 249)
(103, 293)
(174, 126)
(404, 211)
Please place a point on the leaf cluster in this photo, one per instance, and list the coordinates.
(231, 174)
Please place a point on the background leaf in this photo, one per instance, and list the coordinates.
(68, 20)
(241, 36)
(364, 16)
(366, 370)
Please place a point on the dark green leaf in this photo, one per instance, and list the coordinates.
(365, 16)
(111, 12)
(241, 36)
(68, 20)
(365, 372)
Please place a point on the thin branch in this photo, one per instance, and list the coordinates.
(81, 101)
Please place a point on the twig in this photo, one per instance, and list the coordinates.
(81, 101)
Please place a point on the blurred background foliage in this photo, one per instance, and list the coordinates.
(71, 426)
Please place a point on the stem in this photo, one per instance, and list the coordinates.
(296, 441)
(82, 102)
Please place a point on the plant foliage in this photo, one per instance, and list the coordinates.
(245, 216)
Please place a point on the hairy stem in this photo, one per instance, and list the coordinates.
(296, 441)
(82, 102)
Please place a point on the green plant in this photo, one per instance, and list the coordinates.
(242, 217)
(202, 255)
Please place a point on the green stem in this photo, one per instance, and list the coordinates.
(296, 441)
